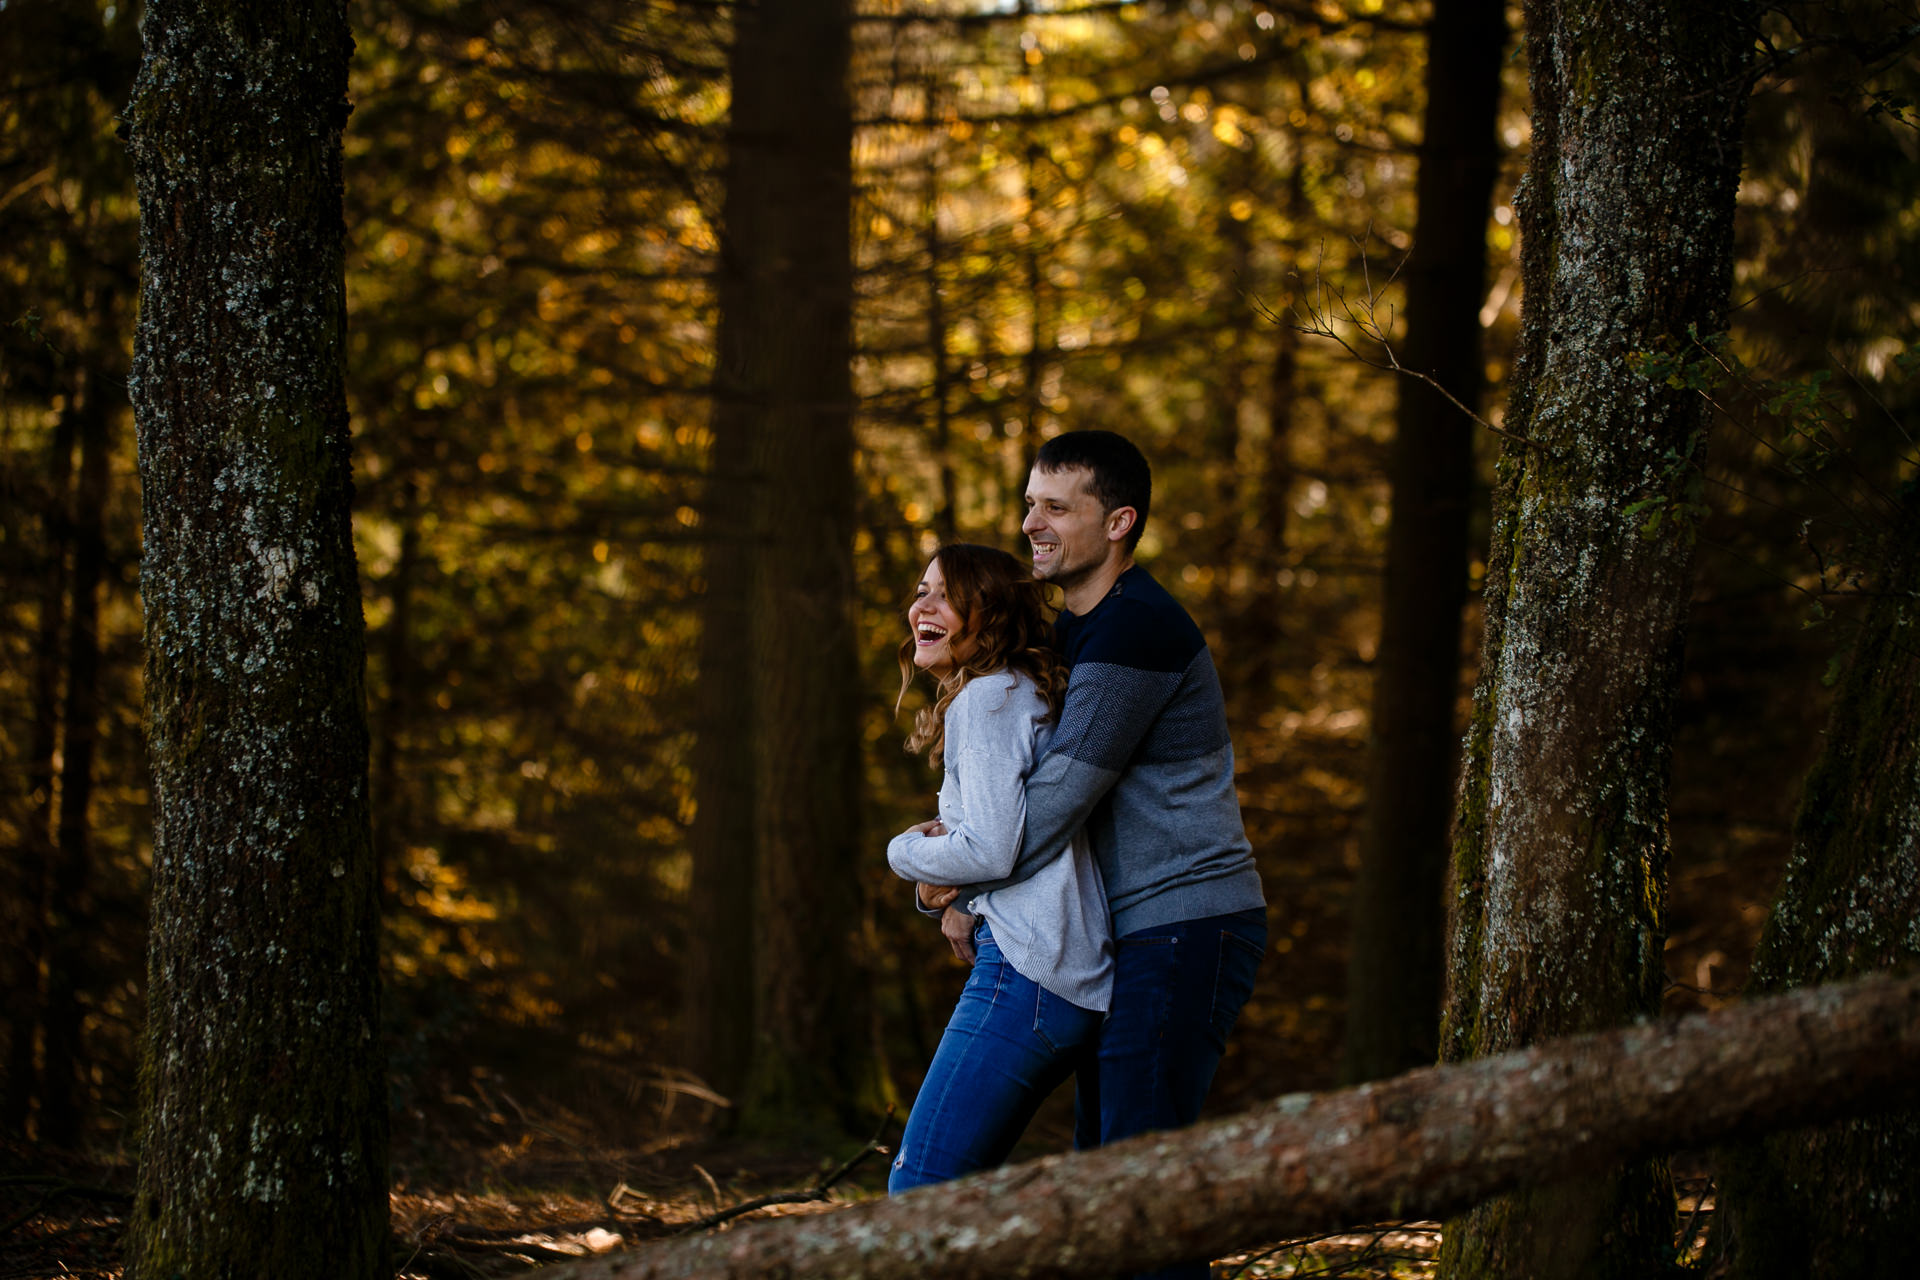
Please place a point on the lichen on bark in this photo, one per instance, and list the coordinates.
(265, 1125)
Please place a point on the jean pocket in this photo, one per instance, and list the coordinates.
(1148, 992)
(1060, 1024)
(1233, 978)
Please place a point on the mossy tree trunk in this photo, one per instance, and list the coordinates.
(264, 1140)
(1845, 1200)
(777, 880)
(1394, 966)
(1558, 885)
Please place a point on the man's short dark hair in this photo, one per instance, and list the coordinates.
(1120, 474)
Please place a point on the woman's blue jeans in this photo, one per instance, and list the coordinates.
(1009, 1044)
(1177, 991)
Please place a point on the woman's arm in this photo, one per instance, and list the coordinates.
(990, 734)
(986, 843)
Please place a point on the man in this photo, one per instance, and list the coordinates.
(1142, 759)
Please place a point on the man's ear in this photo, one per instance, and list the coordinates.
(1119, 520)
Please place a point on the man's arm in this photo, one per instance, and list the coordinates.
(1109, 710)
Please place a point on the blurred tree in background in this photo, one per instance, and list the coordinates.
(1395, 968)
(73, 807)
(1105, 215)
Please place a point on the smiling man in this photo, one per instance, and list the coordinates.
(1141, 758)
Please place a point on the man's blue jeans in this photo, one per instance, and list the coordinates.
(1177, 991)
(1009, 1044)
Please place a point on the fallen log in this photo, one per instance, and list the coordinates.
(1423, 1145)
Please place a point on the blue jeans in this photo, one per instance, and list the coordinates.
(1177, 991)
(1009, 1044)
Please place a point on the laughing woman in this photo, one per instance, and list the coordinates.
(1043, 951)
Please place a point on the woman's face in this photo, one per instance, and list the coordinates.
(939, 632)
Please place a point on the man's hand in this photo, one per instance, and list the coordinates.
(931, 827)
(957, 926)
(935, 896)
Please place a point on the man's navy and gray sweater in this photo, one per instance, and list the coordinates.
(1142, 759)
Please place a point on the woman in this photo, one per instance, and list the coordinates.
(1043, 962)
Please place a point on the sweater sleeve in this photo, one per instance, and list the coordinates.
(989, 753)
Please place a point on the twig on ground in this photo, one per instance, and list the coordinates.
(449, 1252)
(1684, 1245)
(1342, 1258)
(507, 1235)
(813, 1194)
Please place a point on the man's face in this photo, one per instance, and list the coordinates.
(1066, 526)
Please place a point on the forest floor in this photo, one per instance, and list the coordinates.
(503, 1197)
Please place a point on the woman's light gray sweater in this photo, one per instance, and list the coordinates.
(1053, 926)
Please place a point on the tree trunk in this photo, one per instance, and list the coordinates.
(1256, 632)
(391, 826)
(812, 1053)
(1423, 1144)
(777, 883)
(946, 520)
(25, 1001)
(69, 932)
(264, 1144)
(1394, 965)
(719, 1000)
(1845, 1200)
(718, 1008)
(1559, 872)
(1039, 344)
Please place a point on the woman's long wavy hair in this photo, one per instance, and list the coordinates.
(1006, 621)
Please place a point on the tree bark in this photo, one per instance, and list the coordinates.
(1395, 963)
(946, 520)
(1256, 633)
(1845, 1200)
(782, 853)
(391, 826)
(1558, 891)
(1423, 1144)
(718, 1006)
(264, 1146)
(812, 1059)
(69, 915)
(26, 1000)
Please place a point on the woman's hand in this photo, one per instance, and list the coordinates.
(957, 927)
(934, 827)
